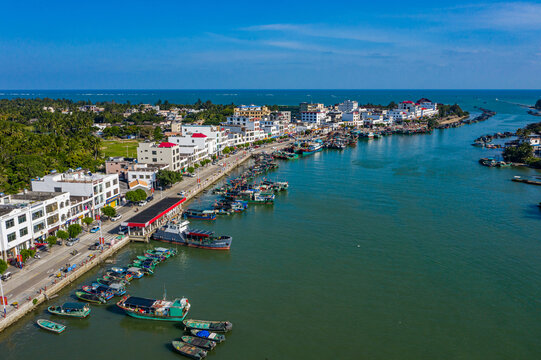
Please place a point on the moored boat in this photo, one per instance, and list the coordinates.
(182, 235)
(193, 352)
(219, 326)
(70, 309)
(199, 342)
(155, 309)
(200, 214)
(205, 334)
(51, 326)
(92, 298)
(98, 290)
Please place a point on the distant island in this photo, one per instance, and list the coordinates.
(537, 105)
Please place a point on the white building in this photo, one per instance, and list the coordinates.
(164, 153)
(30, 216)
(314, 117)
(352, 118)
(196, 146)
(348, 106)
(218, 133)
(247, 127)
(104, 189)
(145, 172)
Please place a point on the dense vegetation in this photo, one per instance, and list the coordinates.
(538, 104)
(524, 152)
(450, 110)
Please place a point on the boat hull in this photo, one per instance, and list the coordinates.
(172, 238)
(154, 317)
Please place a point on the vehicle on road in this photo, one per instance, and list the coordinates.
(188, 174)
(6, 276)
(150, 198)
(95, 246)
(72, 242)
(142, 203)
(95, 229)
(116, 217)
(182, 193)
(122, 230)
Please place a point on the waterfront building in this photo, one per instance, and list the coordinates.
(252, 111)
(218, 133)
(164, 153)
(314, 117)
(352, 118)
(282, 116)
(348, 106)
(247, 127)
(30, 216)
(104, 189)
(144, 172)
(196, 146)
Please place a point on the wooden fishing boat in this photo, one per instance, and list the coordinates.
(205, 334)
(92, 298)
(109, 282)
(98, 290)
(118, 276)
(155, 309)
(200, 214)
(193, 352)
(219, 326)
(51, 326)
(137, 273)
(199, 342)
(70, 309)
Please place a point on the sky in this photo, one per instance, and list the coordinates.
(270, 45)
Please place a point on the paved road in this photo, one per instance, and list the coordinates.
(40, 273)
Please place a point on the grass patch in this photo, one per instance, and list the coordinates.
(118, 148)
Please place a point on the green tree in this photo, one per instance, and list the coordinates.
(157, 134)
(108, 211)
(3, 266)
(191, 170)
(226, 150)
(196, 165)
(167, 177)
(74, 230)
(25, 254)
(519, 154)
(87, 221)
(51, 240)
(136, 195)
(62, 234)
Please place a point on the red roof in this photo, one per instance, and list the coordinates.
(198, 135)
(407, 102)
(166, 144)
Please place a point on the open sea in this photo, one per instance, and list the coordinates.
(397, 248)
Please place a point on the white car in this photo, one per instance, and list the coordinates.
(142, 203)
(182, 193)
(116, 217)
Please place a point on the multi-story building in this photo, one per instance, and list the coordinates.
(310, 107)
(218, 133)
(163, 153)
(196, 146)
(282, 116)
(144, 172)
(352, 118)
(348, 106)
(252, 111)
(314, 117)
(104, 189)
(29, 217)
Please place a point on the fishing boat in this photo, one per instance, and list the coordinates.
(98, 290)
(182, 235)
(109, 282)
(116, 289)
(137, 273)
(200, 214)
(309, 148)
(149, 270)
(205, 334)
(51, 326)
(163, 252)
(92, 298)
(155, 309)
(193, 352)
(70, 309)
(219, 326)
(199, 342)
(119, 276)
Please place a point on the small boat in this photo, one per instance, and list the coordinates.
(109, 282)
(155, 309)
(200, 214)
(219, 326)
(205, 334)
(98, 290)
(115, 289)
(199, 342)
(193, 352)
(180, 234)
(51, 326)
(137, 273)
(90, 297)
(70, 309)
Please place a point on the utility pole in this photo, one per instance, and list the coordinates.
(2, 297)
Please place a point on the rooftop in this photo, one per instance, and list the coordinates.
(166, 144)
(154, 212)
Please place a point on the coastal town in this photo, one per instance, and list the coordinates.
(68, 221)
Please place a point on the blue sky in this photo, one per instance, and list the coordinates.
(272, 45)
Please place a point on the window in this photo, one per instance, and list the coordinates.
(51, 207)
(57, 189)
(115, 191)
(154, 153)
(108, 184)
(108, 194)
(23, 231)
(12, 236)
(61, 205)
(115, 181)
(10, 223)
(39, 227)
(154, 160)
(22, 218)
(37, 214)
(52, 220)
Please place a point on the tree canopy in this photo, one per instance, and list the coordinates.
(168, 177)
(136, 195)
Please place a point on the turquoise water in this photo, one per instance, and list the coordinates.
(398, 248)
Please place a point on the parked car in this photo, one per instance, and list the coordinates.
(188, 174)
(72, 242)
(95, 229)
(122, 230)
(142, 203)
(94, 246)
(182, 193)
(6, 276)
(150, 198)
(42, 248)
(116, 217)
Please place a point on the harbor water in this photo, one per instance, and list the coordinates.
(398, 248)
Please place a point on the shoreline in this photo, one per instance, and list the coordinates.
(46, 291)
